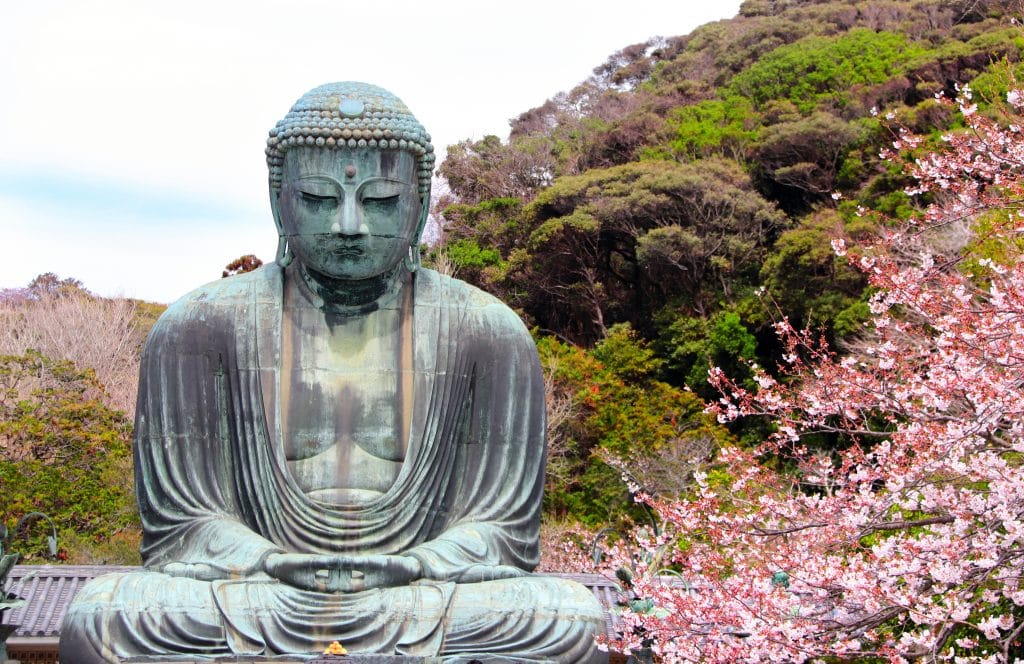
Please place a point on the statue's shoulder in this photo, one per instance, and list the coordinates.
(436, 285)
(235, 289)
(221, 299)
(473, 303)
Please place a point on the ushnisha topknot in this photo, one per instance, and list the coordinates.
(355, 115)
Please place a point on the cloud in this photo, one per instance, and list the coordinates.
(126, 244)
(105, 201)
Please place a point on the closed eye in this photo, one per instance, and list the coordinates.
(316, 202)
(379, 203)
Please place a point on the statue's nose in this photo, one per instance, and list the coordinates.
(350, 220)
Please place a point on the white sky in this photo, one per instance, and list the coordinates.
(132, 131)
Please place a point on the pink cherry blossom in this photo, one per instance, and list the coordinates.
(906, 544)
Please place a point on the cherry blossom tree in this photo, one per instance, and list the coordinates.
(903, 540)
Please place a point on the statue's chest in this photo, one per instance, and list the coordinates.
(342, 402)
(334, 403)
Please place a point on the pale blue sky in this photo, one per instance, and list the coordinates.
(133, 131)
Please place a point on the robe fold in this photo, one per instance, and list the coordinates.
(215, 495)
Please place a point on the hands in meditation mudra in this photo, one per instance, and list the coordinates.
(340, 445)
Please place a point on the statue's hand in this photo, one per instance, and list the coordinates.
(342, 573)
(377, 571)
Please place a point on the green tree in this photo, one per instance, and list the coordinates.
(693, 345)
(624, 417)
(714, 127)
(613, 245)
(65, 453)
(804, 278)
(50, 284)
(823, 72)
(807, 153)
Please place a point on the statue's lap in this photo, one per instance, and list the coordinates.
(148, 613)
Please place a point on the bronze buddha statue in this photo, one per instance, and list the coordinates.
(341, 445)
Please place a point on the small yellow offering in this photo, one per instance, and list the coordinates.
(335, 649)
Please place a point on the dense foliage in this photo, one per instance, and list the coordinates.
(65, 453)
(606, 410)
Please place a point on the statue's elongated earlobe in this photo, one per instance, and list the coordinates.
(284, 255)
(412, 261)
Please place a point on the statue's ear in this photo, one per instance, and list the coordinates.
(284, 257)
(424, 215)
(275, 208)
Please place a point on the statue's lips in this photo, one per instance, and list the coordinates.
(343, 249)
(347, 252)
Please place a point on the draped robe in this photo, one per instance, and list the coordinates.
(214, 491)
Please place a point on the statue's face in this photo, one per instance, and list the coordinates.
(349, 213)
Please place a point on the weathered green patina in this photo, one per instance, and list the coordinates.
(340, 445)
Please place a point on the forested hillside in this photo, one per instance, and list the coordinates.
(689, 171)
(657, 219)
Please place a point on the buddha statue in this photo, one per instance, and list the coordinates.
(341, 445)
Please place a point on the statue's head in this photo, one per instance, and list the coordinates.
(350, 171)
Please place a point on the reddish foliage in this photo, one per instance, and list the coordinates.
(241, 265)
